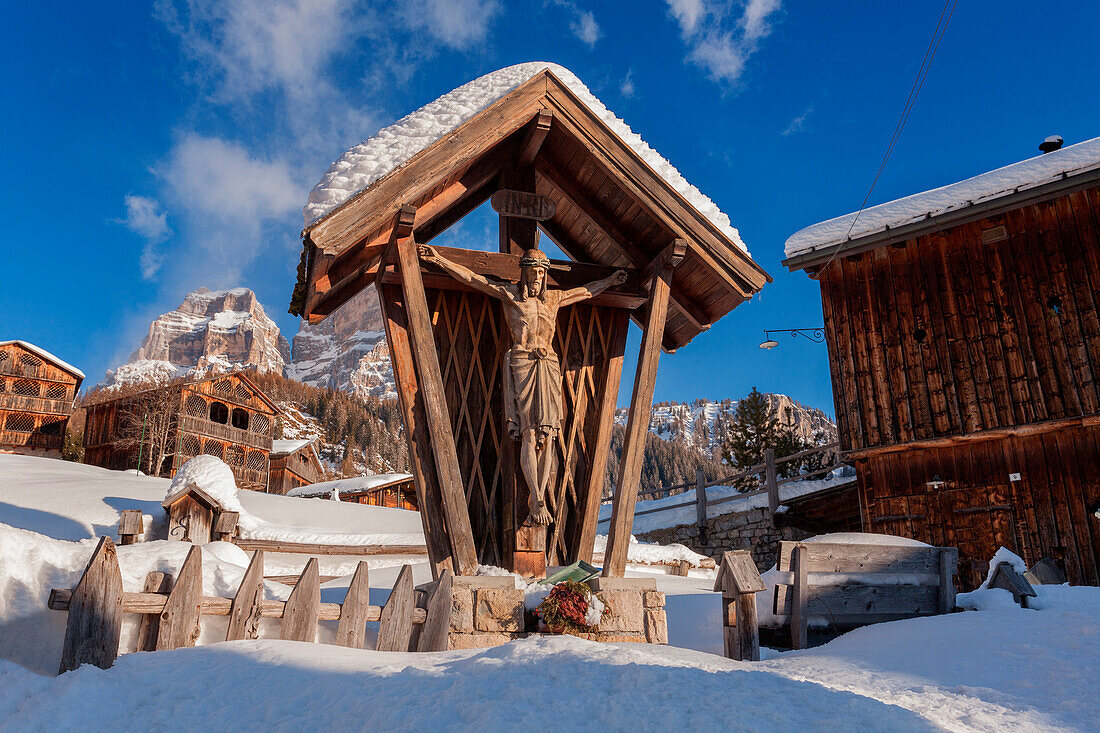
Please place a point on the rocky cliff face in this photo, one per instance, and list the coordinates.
(211, 331)
(346, 351)
(701, 424)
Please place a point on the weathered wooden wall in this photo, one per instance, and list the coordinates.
(961, 496)
(1011, 329)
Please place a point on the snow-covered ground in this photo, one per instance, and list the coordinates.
(999, 668)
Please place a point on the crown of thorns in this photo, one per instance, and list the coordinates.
(534, 258)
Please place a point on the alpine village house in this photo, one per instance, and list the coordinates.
(159, 429)
(294, 463)
(37, 391)
(963, 332)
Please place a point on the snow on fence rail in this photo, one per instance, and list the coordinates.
(771, 483)
(172, 611)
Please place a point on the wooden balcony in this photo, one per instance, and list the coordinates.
(21, 403)
(31, 440)
(227, 433)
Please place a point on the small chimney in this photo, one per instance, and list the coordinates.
(1051, 144)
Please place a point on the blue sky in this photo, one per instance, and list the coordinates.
(153, 149)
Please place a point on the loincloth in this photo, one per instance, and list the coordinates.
(532, 391)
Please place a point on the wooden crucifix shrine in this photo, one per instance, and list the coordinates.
(507, 363)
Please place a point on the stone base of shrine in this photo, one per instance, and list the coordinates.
(488, 611)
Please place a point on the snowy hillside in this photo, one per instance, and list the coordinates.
(701, 424)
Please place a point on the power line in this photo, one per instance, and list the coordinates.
(914, 91)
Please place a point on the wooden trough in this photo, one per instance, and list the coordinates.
(172, 609)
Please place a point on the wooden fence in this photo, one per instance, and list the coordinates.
(171, 610)
(768, 469)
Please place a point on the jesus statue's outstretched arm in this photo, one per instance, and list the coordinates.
(592, 289)
(462, 274)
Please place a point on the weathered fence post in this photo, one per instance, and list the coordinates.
(799, 591)
(352, 629)
(244, 613)
(149, 626)
(740, 581)
(436, 630)
(95, 612)
(179, 622)
(395, 626)
(701, 506)
(303, 608)
(130, 526)
(769, 478)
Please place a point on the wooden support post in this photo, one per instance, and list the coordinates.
(748, 628)
(534, 137)
(949, 560)
(430, 379)
(395, 625)
(799, 590)
(641, 403)
(149, 625)
(772, 484)
(95, 612)
(303, 607)
(130, 526)
(352, 629)
(681, 569)
(244, 614)
(701, 506)
(740, 581)
(179, 621)
(437, 626)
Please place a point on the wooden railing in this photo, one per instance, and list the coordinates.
(766, 473)
(32, 440)
(225, 432)
(25, 403)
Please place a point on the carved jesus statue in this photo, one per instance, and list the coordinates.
(532, 374)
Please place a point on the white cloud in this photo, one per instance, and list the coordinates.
(798, 124)
(458, 24)
(626, 86)
(720, 40)
(585, 28)
(145, 218)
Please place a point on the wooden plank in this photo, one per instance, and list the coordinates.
(522, 205)
(149, 625)
(949, 562)
(179, 621)
(1005, 576)
(352, 629)
(395, 625)
(430, 380)
(839, 602)
(534, 137)
(828, 557)
(701, 505)
(94, 623)
(130, 525)
(737, 574)
(637, 424)
(303, 607)
(601, 446)
(770, 480)
(748, 628)
(244, 614)
(309, 548)
(417, 437)
(799, 595)
(437, 628)
(225, 526)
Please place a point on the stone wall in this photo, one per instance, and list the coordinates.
(751, 530)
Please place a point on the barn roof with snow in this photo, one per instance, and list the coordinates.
(617, 201)
(998, 190)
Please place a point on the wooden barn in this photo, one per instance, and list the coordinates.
(553, 163)
(294, 463)
(393, 490)
(37, 391)
(963, 331)
(158, 429)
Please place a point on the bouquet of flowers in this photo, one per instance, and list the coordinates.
(572, 606)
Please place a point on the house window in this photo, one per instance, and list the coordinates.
(25, 387)
(57, 391)
(20, 422)
(260, 424)
(196, 406)
(257, 461)
(214, 448)
(219, 413)
(52, 428)
(240, 418)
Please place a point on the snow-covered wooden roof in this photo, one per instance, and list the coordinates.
(46, 355)
(618, 202)
(966, 199)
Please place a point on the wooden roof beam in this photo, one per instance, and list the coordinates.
(536, 135)
(550, 174)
